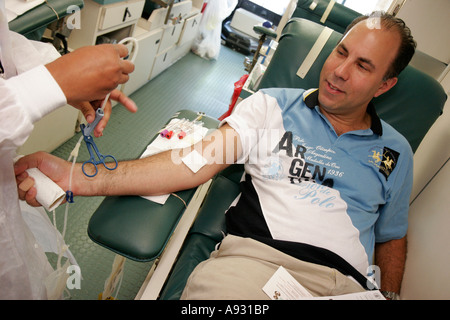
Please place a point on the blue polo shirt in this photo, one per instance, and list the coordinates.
(306, 189)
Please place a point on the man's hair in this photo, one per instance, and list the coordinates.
(407, 47)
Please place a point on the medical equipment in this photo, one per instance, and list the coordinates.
(181, 128)
(87, 129)
(93, 150)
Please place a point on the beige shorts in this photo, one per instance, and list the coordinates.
(241, 267)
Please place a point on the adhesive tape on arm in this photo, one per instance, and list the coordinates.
(49, 194)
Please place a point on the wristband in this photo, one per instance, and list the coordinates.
(389, 295)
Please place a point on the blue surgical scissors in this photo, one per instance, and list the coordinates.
(92, 148)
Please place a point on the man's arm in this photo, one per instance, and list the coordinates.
(390, 257)
(159, 174)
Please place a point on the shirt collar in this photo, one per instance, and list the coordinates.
(311, 99)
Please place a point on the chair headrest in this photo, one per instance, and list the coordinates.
(338, 18)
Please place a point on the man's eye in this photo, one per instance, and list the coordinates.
(362, 66)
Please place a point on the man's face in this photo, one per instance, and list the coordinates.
(353, 73)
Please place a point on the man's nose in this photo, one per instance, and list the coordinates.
(343, 70)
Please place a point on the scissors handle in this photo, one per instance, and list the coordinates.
(91, 164)
(108, 165)
(111, 165)
(93, 152)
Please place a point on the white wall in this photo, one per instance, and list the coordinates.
(428, 260)
(429, 23)
(434, 150)
(426, 273)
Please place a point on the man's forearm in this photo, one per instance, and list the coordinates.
(161, 173)
(390, 257)
(149, 176)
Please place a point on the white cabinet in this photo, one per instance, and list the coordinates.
(111, 22)
(149, 43)
(170, 36)
(51, 131)
(162, 61)
(158, 17)
(121, 13)
(190, 29)
(176, 41)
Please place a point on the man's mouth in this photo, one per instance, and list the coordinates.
(333, 89)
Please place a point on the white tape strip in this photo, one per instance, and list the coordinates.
(313, 5)
(327, 11)
(314, 52)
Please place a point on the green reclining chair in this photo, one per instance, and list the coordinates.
(140, 230)
(406, 107)
(330, 14)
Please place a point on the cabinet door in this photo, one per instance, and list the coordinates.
(190, 29)
(120, 13)
(148, 47)
(170, 36)
(162, 61)
(51, 131)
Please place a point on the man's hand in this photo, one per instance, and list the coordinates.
(53, 167)
(390, 256)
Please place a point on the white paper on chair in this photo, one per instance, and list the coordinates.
(283, 286)
(161, 144)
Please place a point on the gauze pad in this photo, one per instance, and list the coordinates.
(194, 161)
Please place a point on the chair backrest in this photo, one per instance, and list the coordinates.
(338, 18)
(411, 107)
(33, 23)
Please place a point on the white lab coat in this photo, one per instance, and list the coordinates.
(24, 99)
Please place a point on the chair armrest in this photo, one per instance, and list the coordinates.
(266, 31)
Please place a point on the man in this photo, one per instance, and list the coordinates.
(32, 84)
(313, 199)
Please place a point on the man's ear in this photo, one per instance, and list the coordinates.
(386, 86)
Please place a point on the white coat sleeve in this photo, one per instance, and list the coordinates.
(24, 99)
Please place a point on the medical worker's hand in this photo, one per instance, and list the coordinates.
(53, 167)
(90, 73)
(88, 109)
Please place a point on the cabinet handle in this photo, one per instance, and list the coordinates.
(125, 14)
